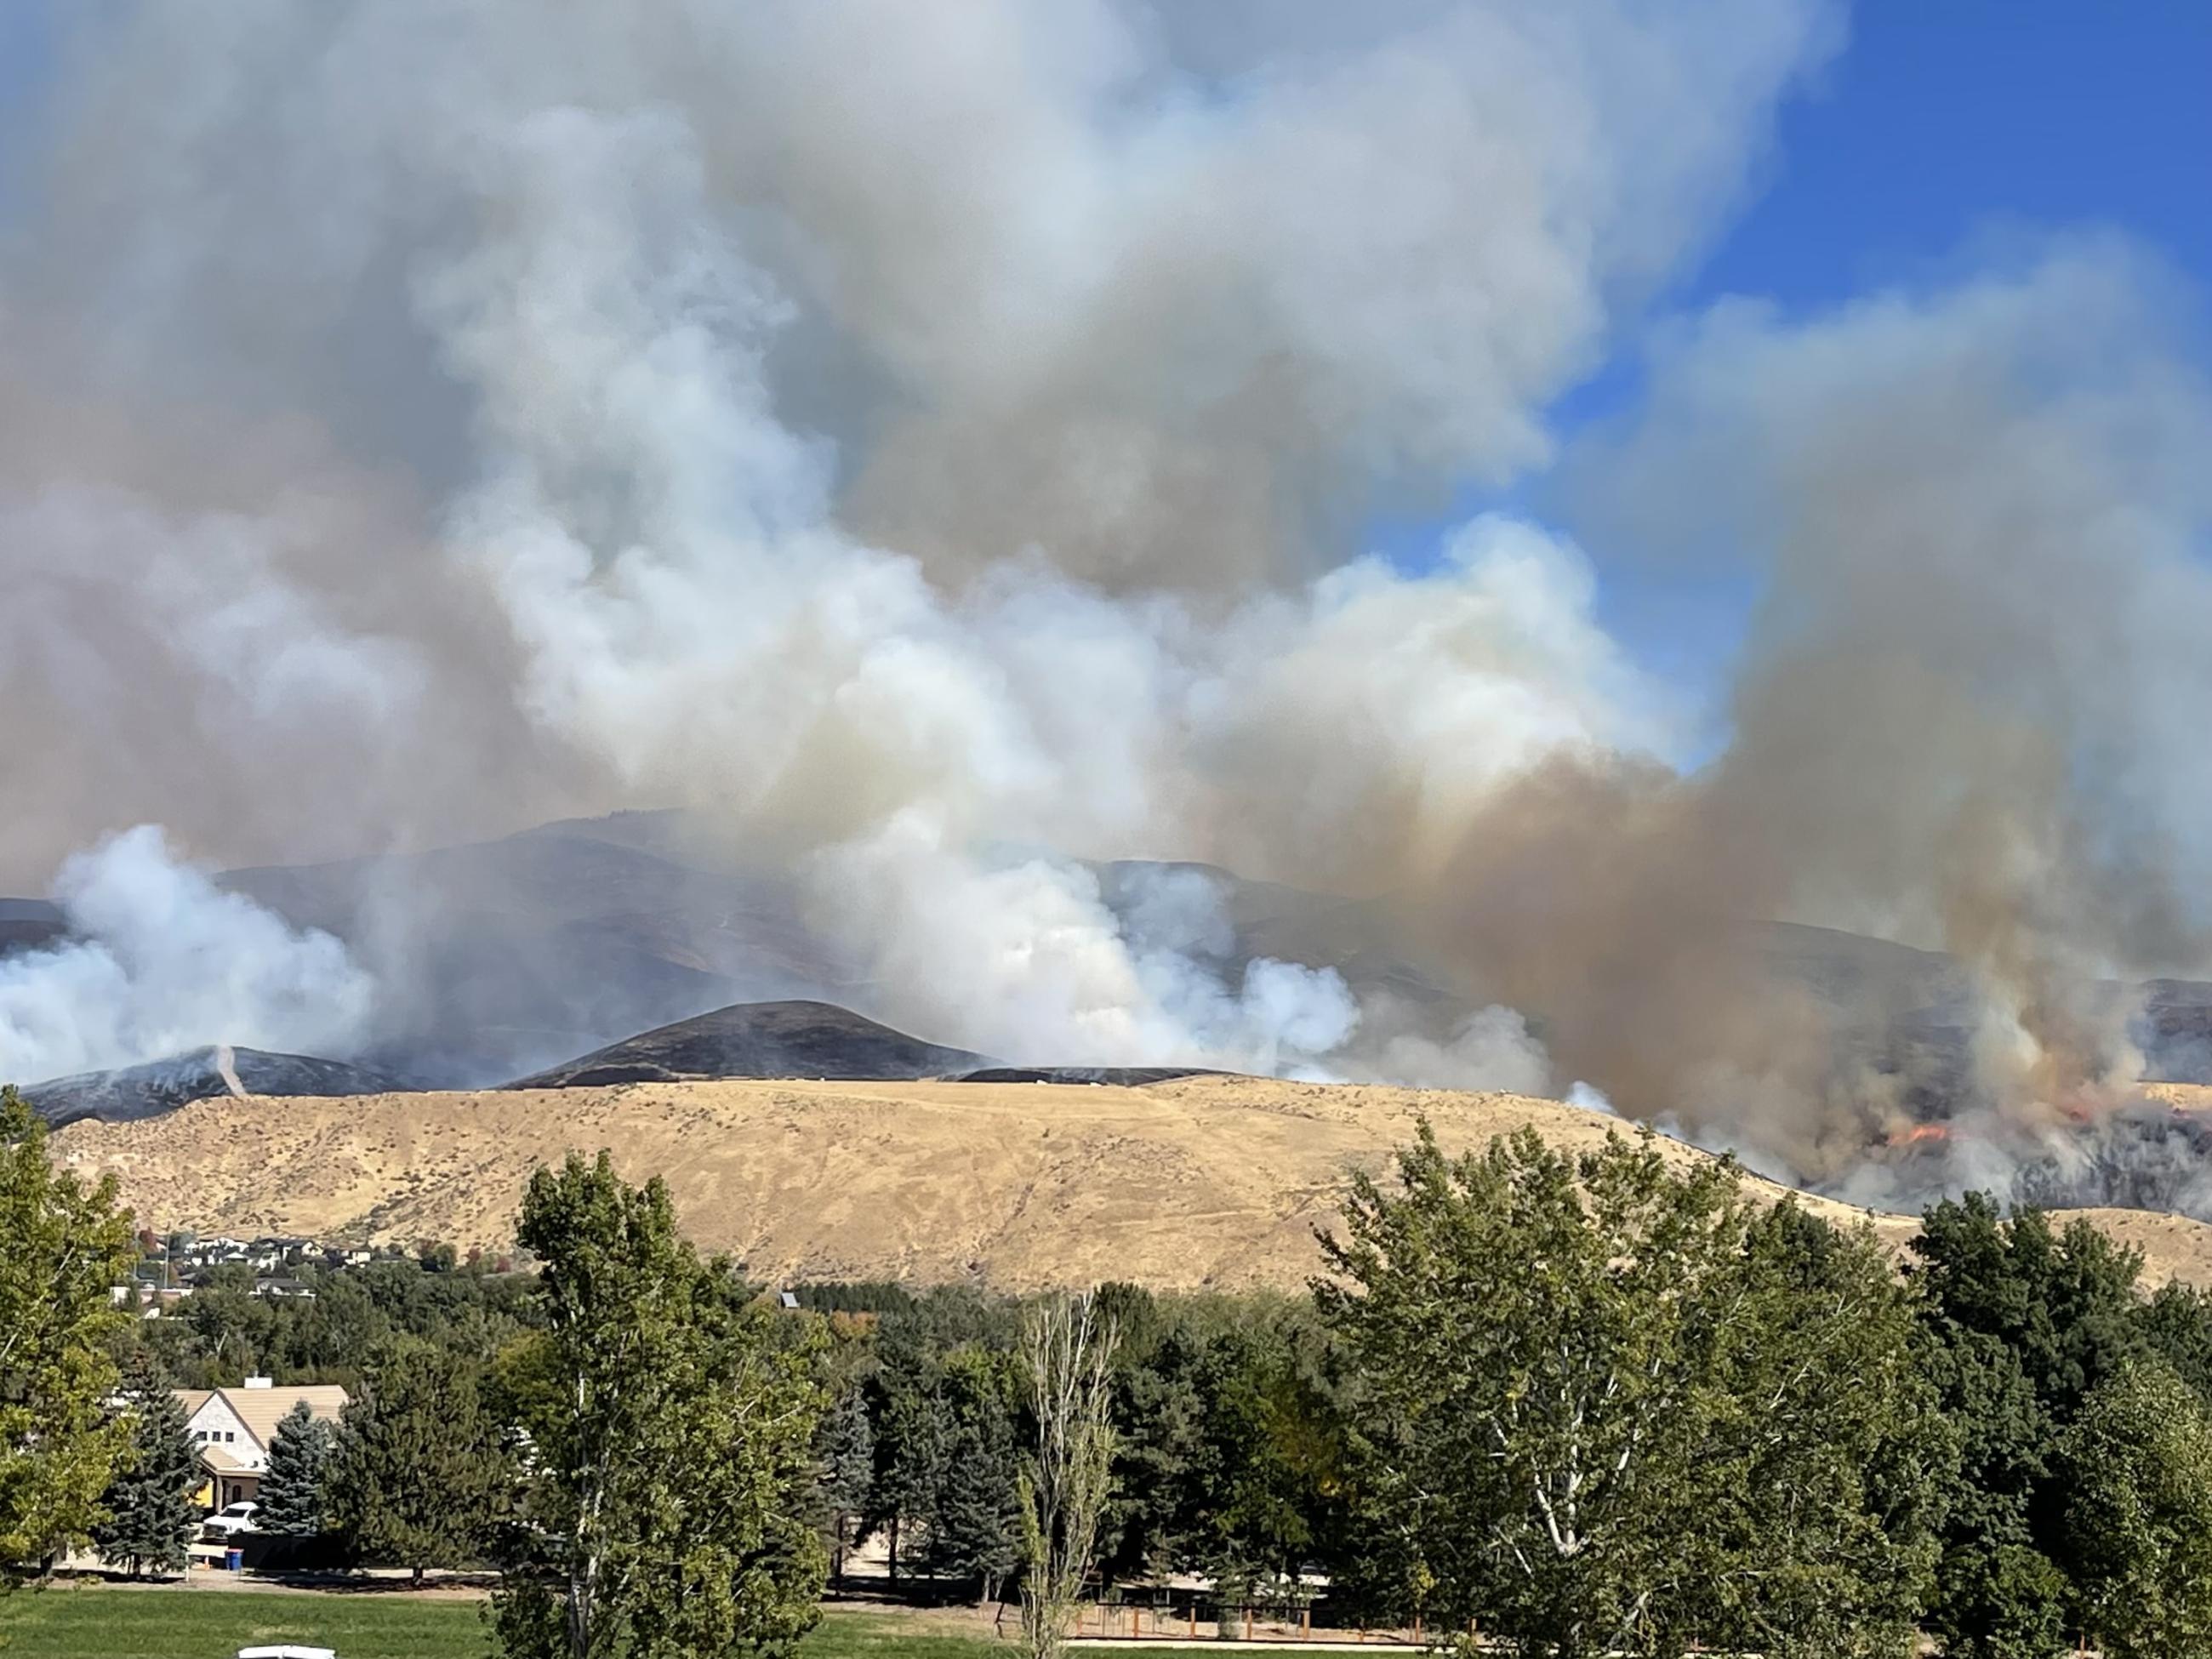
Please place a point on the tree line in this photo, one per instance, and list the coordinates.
(1569, 1405)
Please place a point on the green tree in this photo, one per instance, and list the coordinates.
(1224, 1445)
(913, 1446)
(2177, 1323)
(419, 1476)
(1586, 1387)
(291, 1495)
(2019, 1325)
(62, 1244)
(846, 1444)
(671, 1423)
(151, 1513)
(1824, 1458)
(974, 1525)
(1164, 1482)
(2137, 1465)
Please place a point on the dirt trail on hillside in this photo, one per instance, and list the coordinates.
(1201, 1182)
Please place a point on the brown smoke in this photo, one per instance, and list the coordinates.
(1962, 718)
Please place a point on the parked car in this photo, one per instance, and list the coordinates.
(237, 1517)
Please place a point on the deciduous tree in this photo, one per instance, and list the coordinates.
(62, 1244)
(1068, 1350)
(671, 1422)
(2019, 1325)
(1587, 1387)
(2136, 1467)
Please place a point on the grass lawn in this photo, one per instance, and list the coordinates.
(102, 1623)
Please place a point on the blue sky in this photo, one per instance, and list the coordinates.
(1942, 116)
(1941, 122)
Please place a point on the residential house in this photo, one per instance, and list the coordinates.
(231, 1429)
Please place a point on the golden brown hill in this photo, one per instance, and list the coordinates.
(1201, 1182)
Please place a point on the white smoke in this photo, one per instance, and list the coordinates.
(914, 437)
(665, 547)
(1492, 1048)
(1023, 956)
(162, 960)
(1589, 1099)
(906, 433)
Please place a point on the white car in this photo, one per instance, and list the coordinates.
(238, 1518)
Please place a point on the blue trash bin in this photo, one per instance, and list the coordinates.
(234, 1560)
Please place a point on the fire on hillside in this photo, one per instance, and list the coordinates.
(2132, 1150)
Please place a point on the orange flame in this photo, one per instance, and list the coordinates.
(1922, 1134)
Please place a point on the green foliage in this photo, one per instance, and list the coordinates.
(938, 1400)
(1825, 1459)
(847, 1453)
(419, 1477)
(2020, 1326)
(672, 1427)
(845, 1449)
(2176, 1325)
(62, 1244)
(1583, 1402)
(291, 1495)
(975, 1520)
(1602, 1407)
(151, 1514)
(1228, 1445)
(2136, 1467)
(222, 1331)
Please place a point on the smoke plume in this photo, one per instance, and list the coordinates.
(897, 435)
(932, 445)
(1967, 712)
(163, 961)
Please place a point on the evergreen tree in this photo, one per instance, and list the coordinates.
(913, 1450)
(846, 1448)
(62, 1244)
(291, 1497)
(1221, 1443)
(975, 1522)
(151, 1514)
(419, 1477)
(1153, 1523)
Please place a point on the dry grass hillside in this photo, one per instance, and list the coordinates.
(1202, 1181)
